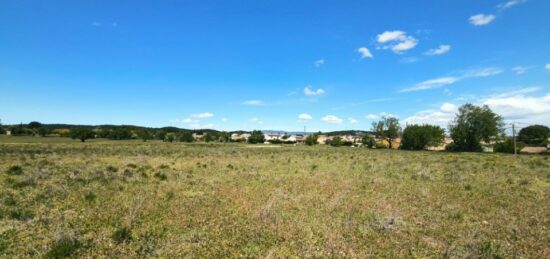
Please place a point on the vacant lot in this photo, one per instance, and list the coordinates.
(132, 199)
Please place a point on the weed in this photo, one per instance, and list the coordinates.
(63, 247)
(15, 170)
(161, 176)
(122, 235)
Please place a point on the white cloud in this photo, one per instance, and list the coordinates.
(319, 62)
(442, 49)
(440, 117)
(253, 102)
(372, 117)
(510, 3)
(352, 120)
(310, 92)
(397, 41)
(448, 80)
(224, 120)
(96, 24)
(202, 115)
(518, 106)
(304, 117)
(519, 70)
(448, 107)
(482, 19)
(432, 83)
(332, 119)
(547, 67)
(365, 52)
(388, 36)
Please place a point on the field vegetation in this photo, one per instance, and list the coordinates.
(158, 199)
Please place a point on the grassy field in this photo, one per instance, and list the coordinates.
(134, 199)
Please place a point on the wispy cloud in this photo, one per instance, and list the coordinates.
(256, 120)
(448, 80)
(510, 3)
(202, 115)
(332, 119)
(397, 41)
(96, 24)
(547, 67)
(365, 52)
(376, 100)
(352, 120)
(442, 49)
(519, 70)
(319, 62)
(253, 102)
(482, 19)
(312, 92)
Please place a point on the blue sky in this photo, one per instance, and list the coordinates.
(281, 65)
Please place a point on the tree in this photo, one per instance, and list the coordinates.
(186, 137)
(209, 137)
(368, 141)
(144, 135)
(256, 137)
(336, 141)
(419, 137)
(43, 131)
(35, 125)
(536, 135)
(472, 125)
(311, 139)
(388, 129)
(82, 133)
(225, 136)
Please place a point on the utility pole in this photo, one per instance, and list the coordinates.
(514, 138)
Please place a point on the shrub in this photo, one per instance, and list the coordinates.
(161, 176)
(112, 169)
(507, 146)
(311, 140)
(336, 141)
(63, 247)
(122, 235)
(15, 170)
(368, 141)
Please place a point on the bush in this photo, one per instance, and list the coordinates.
(368, 141)
(311, 140)
(82, 134)
(507, 146)
(15, 170)
(65, 246)
(336, 141)
(122, 235)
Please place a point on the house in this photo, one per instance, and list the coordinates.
(198, 136)
(8, 132)
(322, 139)
(272, 136)
(534, 150)
(240, 137)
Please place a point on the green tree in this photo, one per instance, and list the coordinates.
(368, 141)
(336, 141)
(388, 129)
(144, 135)
(186, 137)
(311, 139)
(225, 136)
(419, 137)
(82, 133)
(34, 125)
(209, 137)
(535, 135)
(257, 137)
(43, 131)
(472, 125)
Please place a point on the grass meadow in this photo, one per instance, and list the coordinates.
(62, 198)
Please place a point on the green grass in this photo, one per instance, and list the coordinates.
(135, 199)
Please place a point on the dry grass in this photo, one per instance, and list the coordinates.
(119, 199)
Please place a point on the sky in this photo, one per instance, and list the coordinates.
(272, 65)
